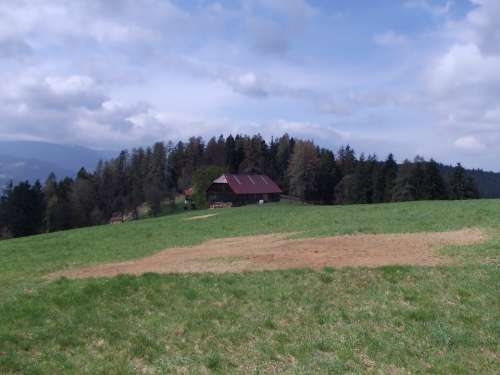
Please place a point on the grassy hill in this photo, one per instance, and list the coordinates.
(395, 319)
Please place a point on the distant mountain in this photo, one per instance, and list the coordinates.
(23, 160)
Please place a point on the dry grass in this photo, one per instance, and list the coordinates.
(278, 251)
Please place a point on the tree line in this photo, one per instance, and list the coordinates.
(152, 177)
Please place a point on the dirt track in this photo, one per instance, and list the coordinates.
(203, 217)
(277, 251)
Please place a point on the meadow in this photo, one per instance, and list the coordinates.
(393, 319)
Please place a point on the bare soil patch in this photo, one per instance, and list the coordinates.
(201, 217)
(278, 251)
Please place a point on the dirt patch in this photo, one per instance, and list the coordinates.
(202, 217)
(277, 251)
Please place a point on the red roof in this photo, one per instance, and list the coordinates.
(249, 184)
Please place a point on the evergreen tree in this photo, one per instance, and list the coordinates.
(215, 152)
(303, 169)
(138, 173)
(345, 192)
(418, 178)
(83, 199)
(239, 153)
(284, 152)
(457, 183)
(385, 179)
(157, 188)
(363, 180)
(255, 155)
(470, 189)
(202, 179)
(24, 209)
(404, 190)
(175, 166)
(4, 230)
(435, 187)
(346, 158)
(230, 155)
(53, 214)
(327, 177)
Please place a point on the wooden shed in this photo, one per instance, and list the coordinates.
(242, 189)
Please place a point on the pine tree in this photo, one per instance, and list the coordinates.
(418, 178)
(24, 209)
(391, 174)
(363, 180)
(157, 188)
(53, 214)
(404, 190)
(457, 183)
(239, 153)
(83, 199)
(347, 160)
(202, 179)
(303, 169)
(385, 179)
(470, 189)
(435, 187)
(345, 192)
(230, 154)
(284, 152)
(4, 232)
(214, 152)
(138, 173)
(327, 177)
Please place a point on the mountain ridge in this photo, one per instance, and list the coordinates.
(32, 160)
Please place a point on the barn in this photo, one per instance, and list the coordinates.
(242, 189)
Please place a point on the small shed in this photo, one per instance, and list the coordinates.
(242, 189)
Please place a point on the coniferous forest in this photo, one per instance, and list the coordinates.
(152, 177)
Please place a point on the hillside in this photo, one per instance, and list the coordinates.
(21, 169)
(417, 319)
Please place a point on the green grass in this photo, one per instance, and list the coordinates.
(443, 320)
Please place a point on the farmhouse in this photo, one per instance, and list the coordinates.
(237, 190)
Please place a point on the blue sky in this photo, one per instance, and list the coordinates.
(409, 77)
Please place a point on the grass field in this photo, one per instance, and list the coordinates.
(396, 320)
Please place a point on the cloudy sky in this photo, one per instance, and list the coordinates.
(403, 76)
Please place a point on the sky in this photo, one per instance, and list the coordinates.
(403, 76)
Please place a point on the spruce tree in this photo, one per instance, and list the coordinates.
(435, 187)
(327, 177)
(457, 183)
(303, 169)
(24, 209)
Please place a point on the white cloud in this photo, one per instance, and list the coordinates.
(462, 82)
(470, 144)
(114, 73)
(464, 67)
(249, 84)
(480, 27)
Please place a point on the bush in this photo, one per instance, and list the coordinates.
(202, 179)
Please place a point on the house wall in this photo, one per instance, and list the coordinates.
(222, 193)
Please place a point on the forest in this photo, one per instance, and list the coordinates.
(152, 177)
